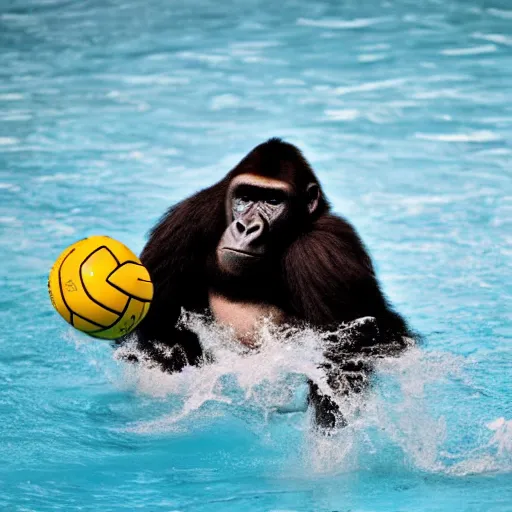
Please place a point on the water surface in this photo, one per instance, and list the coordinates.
(110, 111)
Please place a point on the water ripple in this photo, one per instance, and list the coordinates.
(112, 111)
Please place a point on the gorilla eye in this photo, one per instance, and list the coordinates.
(274, 201)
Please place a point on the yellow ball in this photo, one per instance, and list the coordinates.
(100, 287)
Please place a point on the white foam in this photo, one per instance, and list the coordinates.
(224, 101)
(502, 438)
(500, 13)
(341, 24)
(476, 136)
(250, 48)
(289, 81)
(370, 86)
(494, 456)
(342, 115)
(58, 177)
(397, 415)
(281, 351)
(433, 94)
(374, 47)
(9, 220)
(203, 57)
(11, 97)
(260, 386)
(263, 380)
(155, 80)
(15, 117)
(371, 57)
(474, 50)
(9, 186)
(494, 38)
(8, 141)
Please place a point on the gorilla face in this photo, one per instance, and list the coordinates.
(261, 213)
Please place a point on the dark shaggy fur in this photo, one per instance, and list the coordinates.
(323, 278)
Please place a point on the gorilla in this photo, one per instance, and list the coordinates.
(262, 242)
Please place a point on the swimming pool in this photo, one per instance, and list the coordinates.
(110, 111)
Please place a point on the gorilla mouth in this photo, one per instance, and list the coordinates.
(243, 253)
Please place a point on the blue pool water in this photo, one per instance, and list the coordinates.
(111, 110)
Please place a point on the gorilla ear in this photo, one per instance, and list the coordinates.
(313, 197)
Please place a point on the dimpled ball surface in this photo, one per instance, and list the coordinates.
(100, 287)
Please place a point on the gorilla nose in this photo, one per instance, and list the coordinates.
(239, 227)
(250, 231)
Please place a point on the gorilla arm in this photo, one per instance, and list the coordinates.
(175, 256)
(331, 282)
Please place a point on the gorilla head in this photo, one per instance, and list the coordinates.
(262, 215)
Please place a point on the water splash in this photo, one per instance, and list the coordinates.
(262, 381)
(404, 419)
